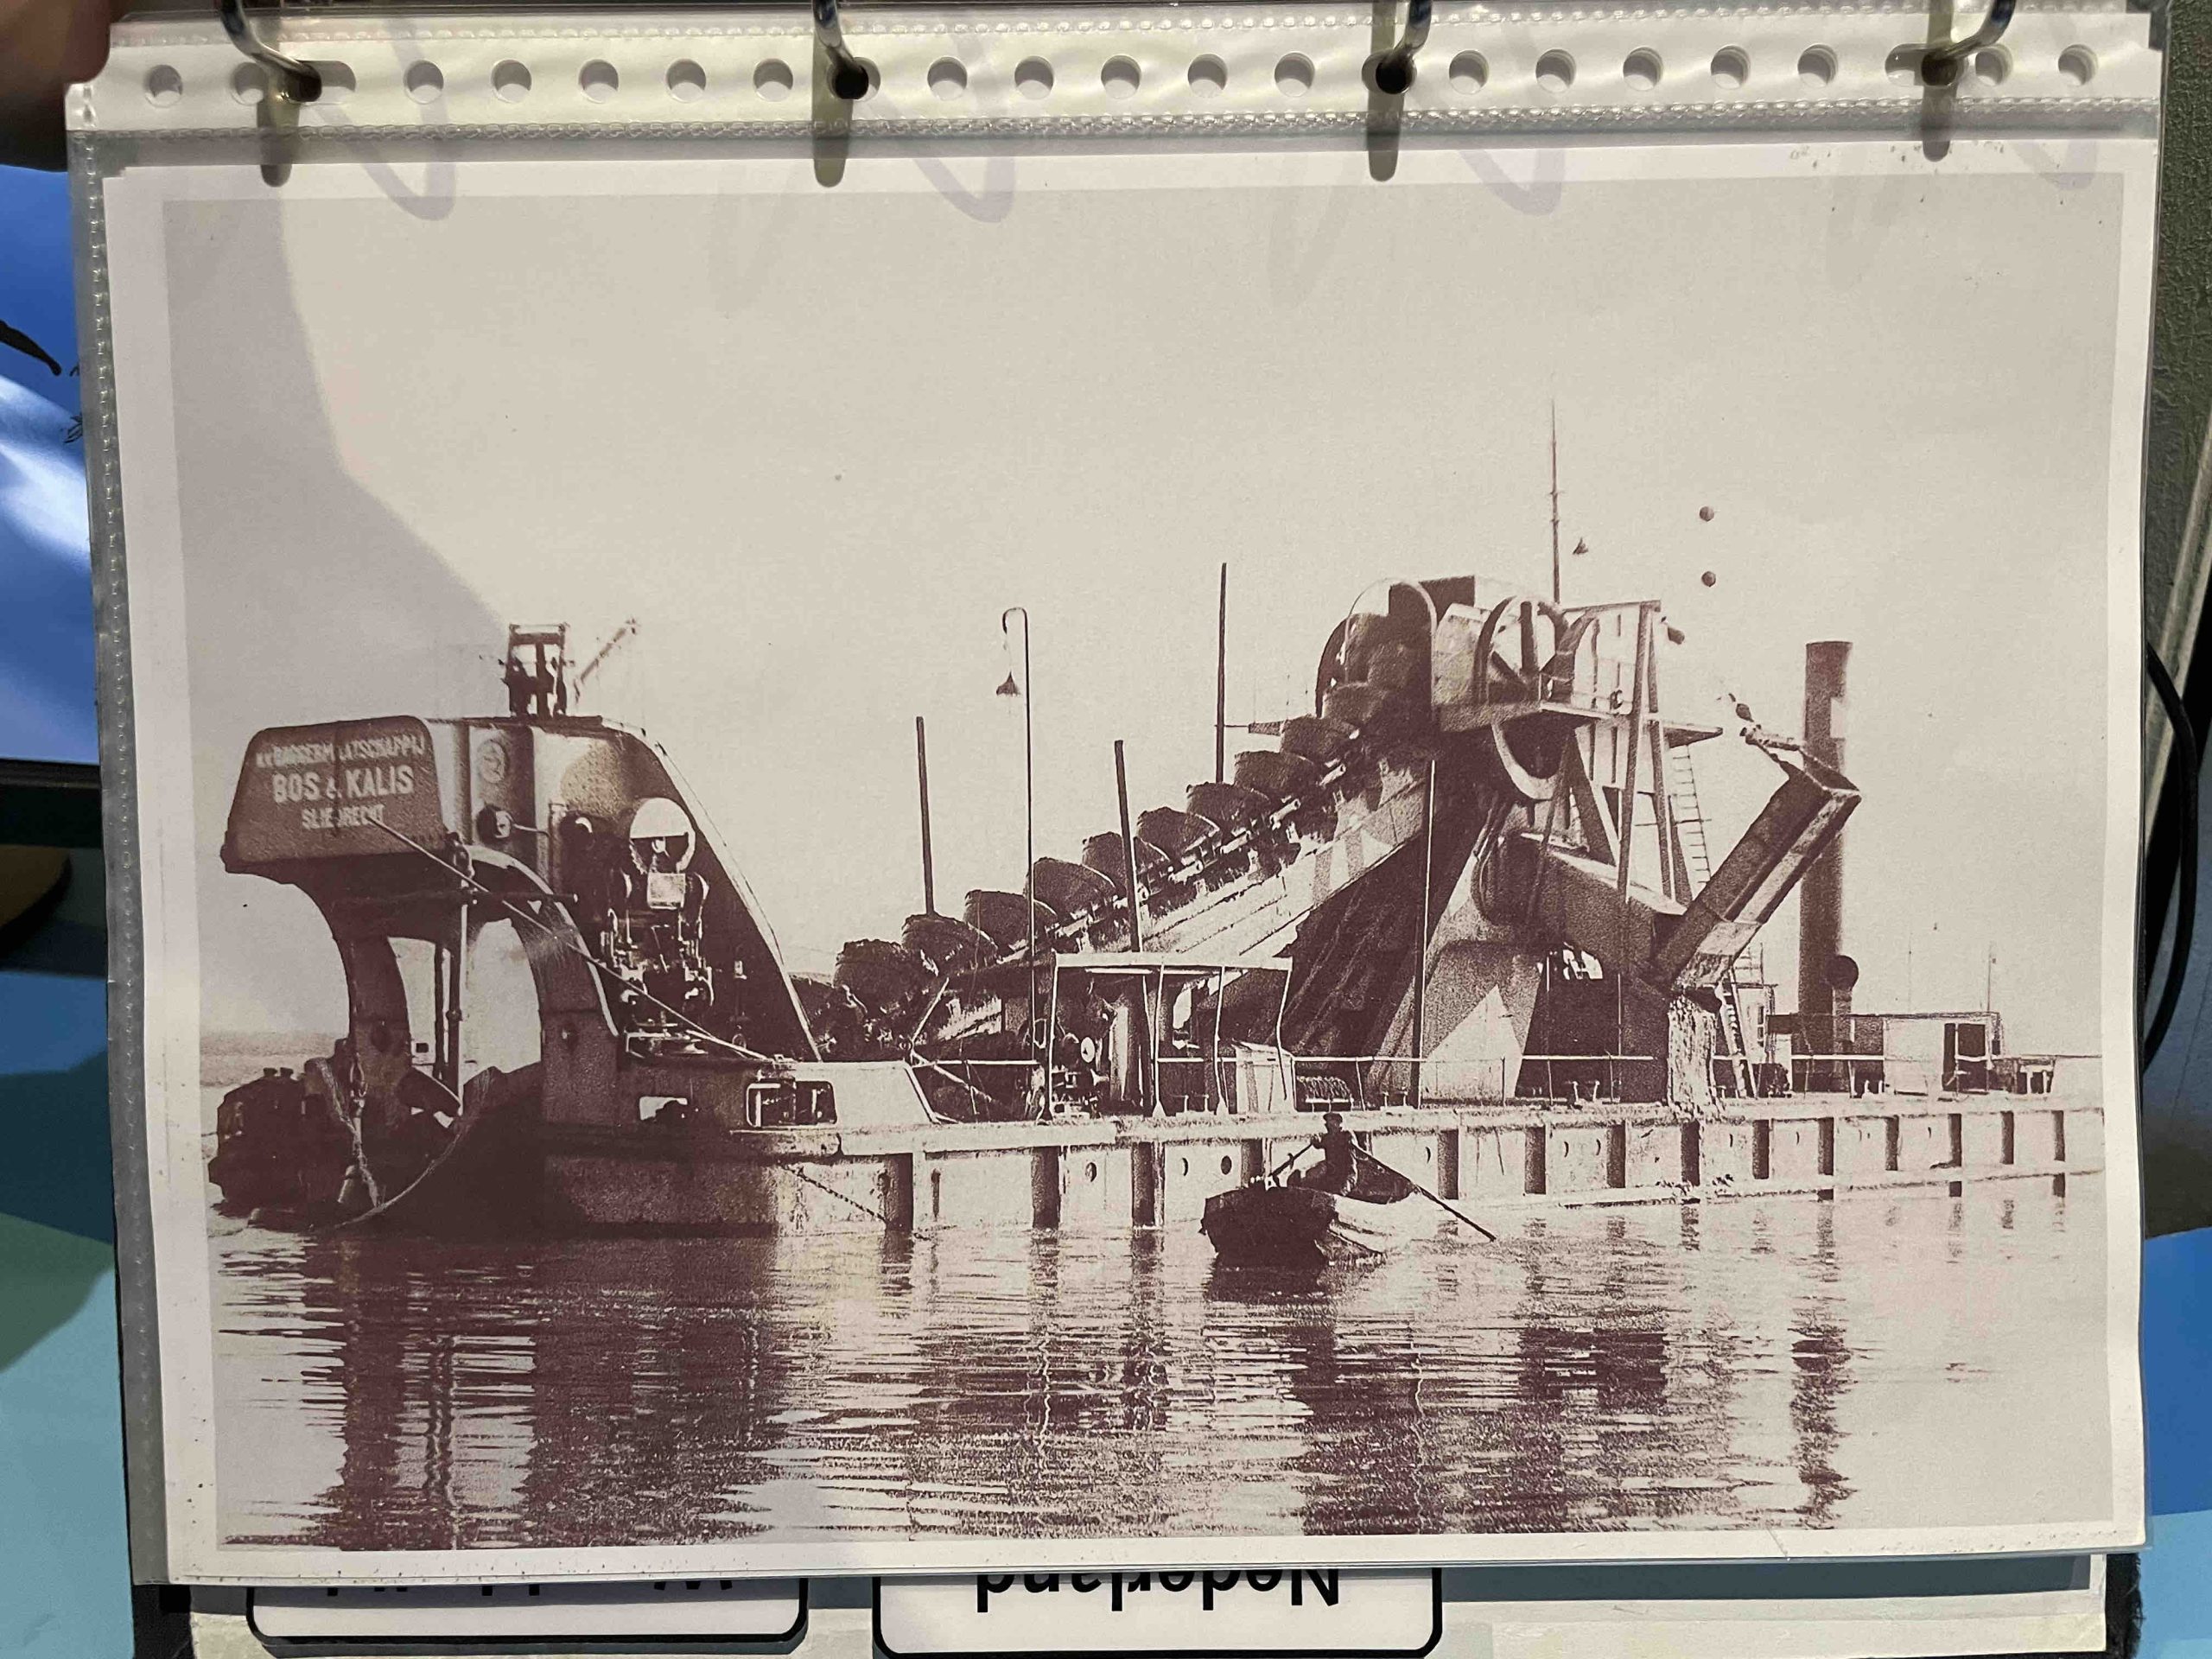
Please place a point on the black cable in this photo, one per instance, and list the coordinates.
(2185, 906)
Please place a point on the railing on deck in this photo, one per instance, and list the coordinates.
(1372, 1082)
(1899, 1074)
(1362, 1083)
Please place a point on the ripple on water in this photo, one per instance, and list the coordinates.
(1782, 1363)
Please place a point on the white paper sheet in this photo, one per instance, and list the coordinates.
(795, 450)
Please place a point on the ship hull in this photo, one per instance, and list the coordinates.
(1116, 1179)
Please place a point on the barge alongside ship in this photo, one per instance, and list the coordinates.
(1467, 901)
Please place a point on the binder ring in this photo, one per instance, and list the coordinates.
(1392, 72)
(849, 76)
(1942, 65)
(288, 77)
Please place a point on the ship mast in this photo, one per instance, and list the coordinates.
(1220, 681)
(1555, 590)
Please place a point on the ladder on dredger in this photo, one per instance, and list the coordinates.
(1697, 857)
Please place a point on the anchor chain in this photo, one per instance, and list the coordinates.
(866, 1208)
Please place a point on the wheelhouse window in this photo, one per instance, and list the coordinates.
(790, 1102)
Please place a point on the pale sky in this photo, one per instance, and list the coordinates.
(815, 441)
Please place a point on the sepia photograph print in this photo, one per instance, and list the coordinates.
(1118, 859)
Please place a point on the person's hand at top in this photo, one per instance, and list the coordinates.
(45, 45)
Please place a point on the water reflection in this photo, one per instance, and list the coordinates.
(1748, 1365)
(1819, 1363)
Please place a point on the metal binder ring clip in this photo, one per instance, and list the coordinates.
(849, 76)
(288, 77)
(1942, 64)
(1392, 72)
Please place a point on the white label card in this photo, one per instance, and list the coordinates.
(752, 1611)
(1290, 1610)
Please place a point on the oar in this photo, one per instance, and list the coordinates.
(1297, 1153)
(1455, 1215)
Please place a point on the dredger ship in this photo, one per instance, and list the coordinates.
(1467, 902)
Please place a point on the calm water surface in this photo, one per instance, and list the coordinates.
(1752, 1363)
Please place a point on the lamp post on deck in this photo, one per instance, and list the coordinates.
(1009, 688)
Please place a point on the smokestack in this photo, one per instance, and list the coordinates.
(922, 777)
(1826, 976)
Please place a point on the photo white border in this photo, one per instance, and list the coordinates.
(144, 414)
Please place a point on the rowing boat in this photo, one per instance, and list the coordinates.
(1291, 1224)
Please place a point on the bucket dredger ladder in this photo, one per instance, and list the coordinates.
(1689, 814)
(1650, 901)
(1520, 746)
